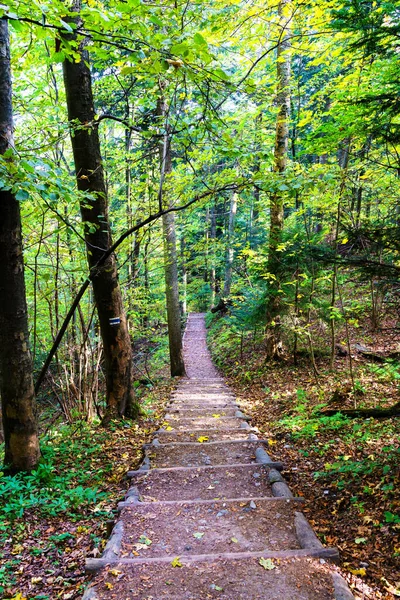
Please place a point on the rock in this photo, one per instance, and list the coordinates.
(253, 505)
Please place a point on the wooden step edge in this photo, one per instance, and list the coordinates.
(145, 471)
(134, 502)
(205, 444)
(240, 429)
(329, 554)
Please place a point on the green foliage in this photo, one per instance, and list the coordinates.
(56, 486)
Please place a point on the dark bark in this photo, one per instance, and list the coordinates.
(366, 413)
(170, 257)
(16, 381)
(90, 178)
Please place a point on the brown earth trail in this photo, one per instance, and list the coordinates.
(208, 514)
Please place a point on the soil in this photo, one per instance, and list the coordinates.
(220, 579)
(215, 527)
(189, 455)
(204, 484)
(215, 435)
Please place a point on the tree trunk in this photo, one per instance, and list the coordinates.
(22, 451)
(213, 238)
(274, 305)
(184, 276)
(229, 248)
(90, 178)
(170, 256)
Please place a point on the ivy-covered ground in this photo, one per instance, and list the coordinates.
(54, 518)
(346, 469)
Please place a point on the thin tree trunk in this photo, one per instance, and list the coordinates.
(184, 277)
(274, 304)
(22, 451)
(229, 247)
(90, 178)
(170, 257)
(213, 237)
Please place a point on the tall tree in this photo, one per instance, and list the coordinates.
(22, 451)
(283, 67)
(170, 254)
(94, 210)
(229, 247)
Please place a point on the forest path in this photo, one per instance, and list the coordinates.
(208, 514)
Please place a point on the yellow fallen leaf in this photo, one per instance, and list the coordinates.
(361, 572)
(169, 428)
(176, 562)
(272, 442)
(217, 416)
(202, 438)
(109, 586)
(115, 572)
(19, 596)
(36, 579)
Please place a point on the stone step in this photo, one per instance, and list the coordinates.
(202, 483)
(197, 454)
(287, 576)
(213, 435)
(183, 529)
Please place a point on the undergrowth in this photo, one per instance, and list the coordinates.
(346, 469)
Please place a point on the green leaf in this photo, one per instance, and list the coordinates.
(199, 40)
(21, 195)
(267, 564)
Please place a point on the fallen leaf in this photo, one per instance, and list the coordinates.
(267, 564)
(361, 572)
(217, 416)
(145, 540)
(234, 540)
(202, 438)
(176, 562)
(198, 535)
(115, 572)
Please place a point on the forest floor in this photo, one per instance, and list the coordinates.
(346, 469)
(53, 519)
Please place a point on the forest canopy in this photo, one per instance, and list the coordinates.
(235, 157)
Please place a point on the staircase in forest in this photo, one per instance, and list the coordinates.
(208, 514)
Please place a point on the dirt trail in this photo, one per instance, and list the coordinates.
(208, 514)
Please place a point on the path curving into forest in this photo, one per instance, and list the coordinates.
(208, 514)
